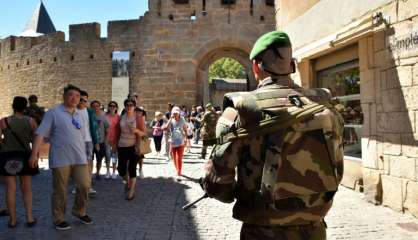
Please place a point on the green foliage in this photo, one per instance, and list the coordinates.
(226, 68)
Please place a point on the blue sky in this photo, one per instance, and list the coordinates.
(15, 14)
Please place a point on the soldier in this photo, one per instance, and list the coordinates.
(285, 148)
(208, 128)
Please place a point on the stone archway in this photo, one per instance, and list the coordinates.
(206, 58)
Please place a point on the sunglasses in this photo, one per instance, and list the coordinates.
(112, 106)
(76, 123)
(129, 105)
(83, 100)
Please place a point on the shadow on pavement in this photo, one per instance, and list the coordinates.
(155, 213)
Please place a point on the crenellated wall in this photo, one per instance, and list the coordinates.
(170, 53)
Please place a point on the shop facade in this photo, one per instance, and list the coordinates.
(366, 53)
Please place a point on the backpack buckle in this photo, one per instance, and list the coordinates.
(295, 100)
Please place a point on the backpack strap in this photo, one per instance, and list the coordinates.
(276, 123)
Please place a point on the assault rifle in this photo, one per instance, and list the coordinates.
(200, 182)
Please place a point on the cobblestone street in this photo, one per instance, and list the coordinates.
(156, 212)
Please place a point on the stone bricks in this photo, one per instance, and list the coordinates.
(396, 122)
(410, 97)
(411, 198)
(393, 100)
(392, 192)
(409, 145)
(415, 74)
(369, 150)
(399, 77)
(352, 174)
(392, 144)
(372, 185)
(403, 167)
(379, 41)
(407, 9)
(367, 85)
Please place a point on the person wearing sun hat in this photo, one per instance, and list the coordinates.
(288, 169)
(177, 127)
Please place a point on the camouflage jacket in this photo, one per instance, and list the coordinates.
(209, 125)
(308, 165)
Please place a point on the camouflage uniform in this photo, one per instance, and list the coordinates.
(208, 130)
(304, 176)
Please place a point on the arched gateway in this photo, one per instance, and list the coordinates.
(170, 50)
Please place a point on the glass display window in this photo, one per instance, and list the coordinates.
(343, 80)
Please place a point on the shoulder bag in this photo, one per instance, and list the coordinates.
(16, 162)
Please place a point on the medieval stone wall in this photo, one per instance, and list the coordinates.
(170, 53)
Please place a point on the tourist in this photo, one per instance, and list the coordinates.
(178, 132)
(157, 131)
(208, 132)
(166, 138)
(190, 129)
(111, 149)
(128, 158)
(18, 131)
(103, 126)
(197, 117)
(90, 132)
(62, 126)
(33, 110)
(141, 115)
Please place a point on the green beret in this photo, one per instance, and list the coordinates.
(279, 38)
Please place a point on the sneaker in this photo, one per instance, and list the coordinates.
(73, 191)
(114, 176)
(62, 226)
(92, 191)
(107, 176)
(141, 174)
(84, 219)
(179, 178)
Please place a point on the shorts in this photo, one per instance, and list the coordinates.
(101, 153)
(89, 151)
(110, 155)
(190, 137)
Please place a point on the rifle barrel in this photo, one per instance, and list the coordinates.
(194, 202)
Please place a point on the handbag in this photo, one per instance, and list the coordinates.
(143, 145)
(14, 162)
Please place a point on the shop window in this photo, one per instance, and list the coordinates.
(270, 2)
(181, 1)
(227, 2)
(344, 82)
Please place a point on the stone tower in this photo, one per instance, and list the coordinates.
(40, 23)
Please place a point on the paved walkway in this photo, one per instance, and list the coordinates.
(156, 212)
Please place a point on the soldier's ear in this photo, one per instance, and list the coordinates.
(256, 68)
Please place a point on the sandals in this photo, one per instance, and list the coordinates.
(31, 224)
(130, 198)
(28, 224)
(10, 225)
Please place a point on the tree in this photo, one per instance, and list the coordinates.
(226, 68)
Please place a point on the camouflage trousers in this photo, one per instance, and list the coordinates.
(302, 232)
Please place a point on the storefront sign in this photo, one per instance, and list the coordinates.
(405, 43)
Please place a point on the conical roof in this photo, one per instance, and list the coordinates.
(40, 23)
